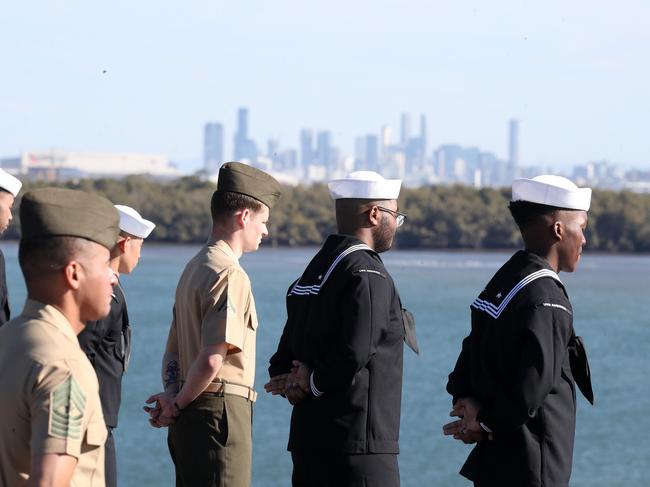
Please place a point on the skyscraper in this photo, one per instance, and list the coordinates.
(245, 148)
(242, 122)
(406, 130)
(423, 137)
(386, 139)
(372, 152)
(212, 147)
(513, 144)
(306, 147)
(324, 147)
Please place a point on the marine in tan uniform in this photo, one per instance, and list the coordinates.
(52, 429)
(209, 363)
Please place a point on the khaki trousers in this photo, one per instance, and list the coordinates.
(211, 442)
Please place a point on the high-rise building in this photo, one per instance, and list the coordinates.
(423, 137)
(212, 147)
(406, 130)
(359, 153)
(286, 160)
(386, 139)
(242, 122)
(372, 152)
(245, 148)
(324, 147)
(513, 144)
(306, 147)
(272, 146)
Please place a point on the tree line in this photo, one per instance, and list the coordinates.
(438, 217)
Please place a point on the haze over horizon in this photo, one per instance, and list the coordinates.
(146, 76)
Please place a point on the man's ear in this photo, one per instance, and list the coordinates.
(374, 216)
(557, 229)
(243, 217)
(122, 244)
(72, 272)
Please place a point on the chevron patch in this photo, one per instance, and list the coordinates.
(67, 406)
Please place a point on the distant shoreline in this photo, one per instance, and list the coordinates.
(158, 243)
(442, 218)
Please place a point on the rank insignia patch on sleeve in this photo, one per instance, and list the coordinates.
(231, 308)
(67, 406)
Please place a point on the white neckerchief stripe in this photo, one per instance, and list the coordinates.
(315, 288)
(526, 280)
(495, 311)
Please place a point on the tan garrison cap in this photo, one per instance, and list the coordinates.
(59, 212)
(244, 179)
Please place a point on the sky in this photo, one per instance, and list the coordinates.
(145, 76)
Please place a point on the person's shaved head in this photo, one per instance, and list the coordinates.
(526, 213)
(39, 257)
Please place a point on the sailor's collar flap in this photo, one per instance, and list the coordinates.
(505, 285)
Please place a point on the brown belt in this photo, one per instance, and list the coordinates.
(231, 388)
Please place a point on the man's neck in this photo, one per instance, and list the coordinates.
(64, 303)
(230, 238)
(362, 234)
(548, 255)
(114, 264)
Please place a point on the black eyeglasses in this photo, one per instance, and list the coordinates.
(399, 217)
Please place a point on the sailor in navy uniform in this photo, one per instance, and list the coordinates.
(107, 342)
(513, 385)
(9, 188)
(344, 340)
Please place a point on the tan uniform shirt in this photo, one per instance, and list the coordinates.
(214, 304)
(49, 398)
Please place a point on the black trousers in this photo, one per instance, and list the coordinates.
(325, 469)
(211, 442)
(110, 460)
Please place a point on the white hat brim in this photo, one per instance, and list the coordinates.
(551, 195)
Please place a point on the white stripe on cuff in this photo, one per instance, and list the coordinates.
(314, 391)
(485, 428)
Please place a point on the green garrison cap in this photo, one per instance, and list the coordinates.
(242, 178)
(58, 212)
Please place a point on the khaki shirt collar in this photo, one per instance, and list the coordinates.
(223, 246)
(46, 312)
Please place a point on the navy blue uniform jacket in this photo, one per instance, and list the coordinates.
(517, 363)
(107, 343)
(344, 319)
(5, 315)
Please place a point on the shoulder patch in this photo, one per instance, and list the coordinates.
(558, 306)
(67, 407)
(368, 271)
(230, 306)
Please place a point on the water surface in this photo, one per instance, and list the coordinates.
(612, 313)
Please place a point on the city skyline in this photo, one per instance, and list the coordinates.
(405, 155)
(504, 149)
(145, 77)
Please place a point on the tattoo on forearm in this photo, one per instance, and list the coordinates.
(172, 373)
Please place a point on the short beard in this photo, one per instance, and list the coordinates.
(383, 236)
